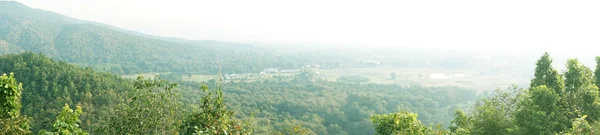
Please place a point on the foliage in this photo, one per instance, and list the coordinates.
(50, 84)
(577, 76)
(67, 122)
(399, 123)
(353, 79)
(491, 117)
(322, 106)
(213, 117)
(307, 75)
(151, 108)
(540, 113)
(15, 126)
(547, 108)
(597, 72)
(327, 107)
(545, 74)
(11, 120)
(298, 130)
(461, 123)
(581, 127)
(10, 95)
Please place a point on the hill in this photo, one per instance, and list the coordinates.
(49, 84)
(274, 104)
(120, 51)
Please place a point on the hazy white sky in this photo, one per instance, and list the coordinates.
(501, 24)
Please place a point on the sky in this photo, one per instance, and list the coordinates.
(540, 25)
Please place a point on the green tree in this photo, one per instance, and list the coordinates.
(353, 79)
(539, 112)
(577, 76)
(10, 96)
(582, 96)
(581, 127)
(393, 75)
(67, 123)
(545, 74)
(307, 75)
(597, 72)
(213, 117)
(461, 125)
(11, 121)
(493, 115)
(153, 107)
(399, 123)
(297, 129)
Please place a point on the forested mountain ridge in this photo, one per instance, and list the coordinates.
(50, 84)
(120, 51)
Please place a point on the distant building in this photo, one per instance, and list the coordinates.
(372, 62)
(290, 70)
(313, 66)
(230, 76)
(271, 70)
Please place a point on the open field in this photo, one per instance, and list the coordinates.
(145, 75)
(406, 76)
(476, 80)
(198, 78)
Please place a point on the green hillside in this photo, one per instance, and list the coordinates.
(121, 51)
(49, 85)
(275, 104)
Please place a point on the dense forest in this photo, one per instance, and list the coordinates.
(273, 105)
(556, 103)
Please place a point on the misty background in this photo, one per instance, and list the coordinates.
(521, 30)
(501, 26)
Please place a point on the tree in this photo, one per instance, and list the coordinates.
(581, 127)
(461, 124)
(353, 79)
(11, 121)
(577, 76)
(493, 115)
(539, 112)
(597, 72)
(153, 107)
(545, 74)
(213, 118)
(307, 75)
(10, 95)
(399, 123)
(393, 75)
(67, 123)
(582, 96)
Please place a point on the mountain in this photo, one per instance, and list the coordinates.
(121, 51)
(49, 84)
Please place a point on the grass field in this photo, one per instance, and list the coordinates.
(199, 78)
(420, 76)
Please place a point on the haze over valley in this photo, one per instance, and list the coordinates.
(313, 67)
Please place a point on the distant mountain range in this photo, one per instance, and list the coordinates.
(122, 51)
